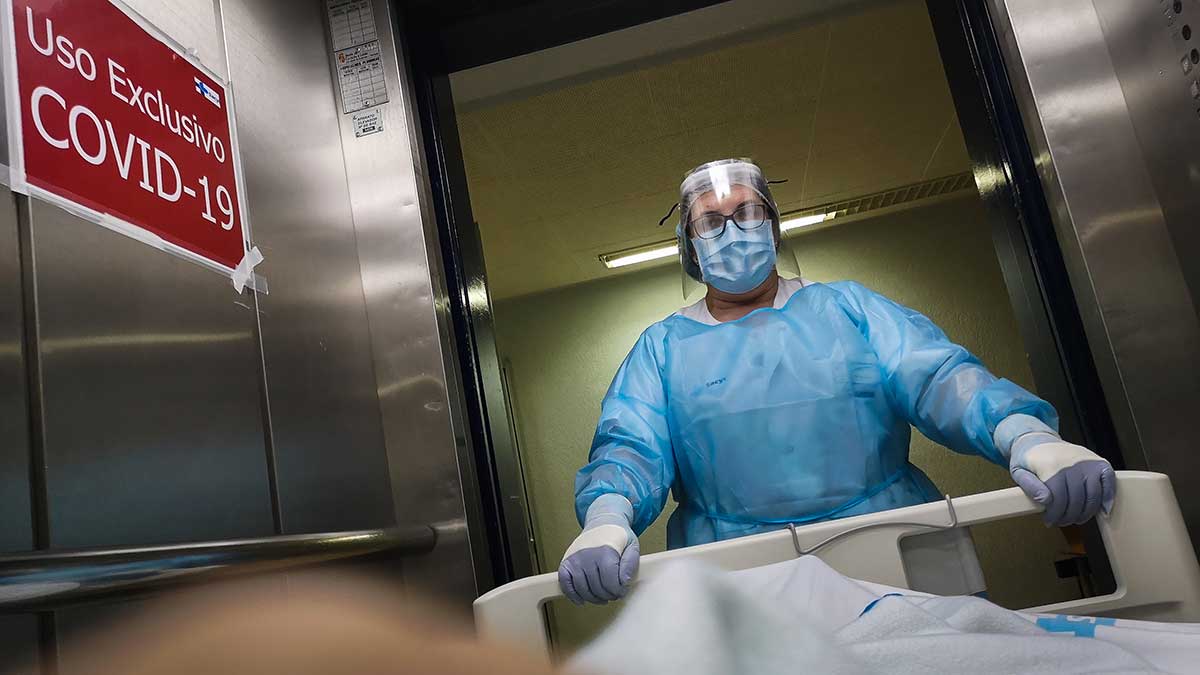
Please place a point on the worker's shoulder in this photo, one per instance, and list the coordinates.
(655, 333)
(848, 290)
(858, 290)
(849, 286)
(651, 343)
(860, 301)
(685, 322)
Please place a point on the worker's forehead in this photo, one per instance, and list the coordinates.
(712, 199)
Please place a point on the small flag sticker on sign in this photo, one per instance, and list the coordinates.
(208, 92)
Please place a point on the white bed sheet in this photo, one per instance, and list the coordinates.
(802, 616)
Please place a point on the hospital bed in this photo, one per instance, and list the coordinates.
(1156, 571)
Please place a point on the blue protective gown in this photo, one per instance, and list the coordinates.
(790, 415)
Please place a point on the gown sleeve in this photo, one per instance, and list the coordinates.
(940, 387)
(631, 452)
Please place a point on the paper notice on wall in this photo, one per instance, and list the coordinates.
(368, 122)
(360, 77)
(351, 23)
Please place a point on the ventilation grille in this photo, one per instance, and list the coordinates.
(881, 200)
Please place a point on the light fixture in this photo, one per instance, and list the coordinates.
(642, 254)
(805, 221)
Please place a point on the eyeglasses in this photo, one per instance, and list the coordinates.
(748, 216)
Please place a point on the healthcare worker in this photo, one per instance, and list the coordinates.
(775, 401)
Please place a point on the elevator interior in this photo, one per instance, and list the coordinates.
(147, 403)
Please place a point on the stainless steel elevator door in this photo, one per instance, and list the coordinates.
(18, 634)
(324, 401)
(153, 431)
(16, 531)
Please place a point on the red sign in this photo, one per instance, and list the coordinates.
(114, 119)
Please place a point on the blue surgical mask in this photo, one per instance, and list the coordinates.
(737, 261)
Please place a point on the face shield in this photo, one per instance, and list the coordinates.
(722, 178)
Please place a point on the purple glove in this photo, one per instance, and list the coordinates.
(1072, 482)
(601, 563)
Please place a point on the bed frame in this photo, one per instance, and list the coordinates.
(1158, 578)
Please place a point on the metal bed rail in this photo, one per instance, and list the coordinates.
(1157, 573)
(51, 580)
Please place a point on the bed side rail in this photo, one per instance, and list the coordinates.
(1157, 574)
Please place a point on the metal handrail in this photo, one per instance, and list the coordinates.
(52, 580)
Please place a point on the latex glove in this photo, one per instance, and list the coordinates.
(1072, 482)
(601, 563)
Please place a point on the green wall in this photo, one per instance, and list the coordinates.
(564, 346)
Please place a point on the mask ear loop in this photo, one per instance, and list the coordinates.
(664, 218)
(780, 247)
(777, 183)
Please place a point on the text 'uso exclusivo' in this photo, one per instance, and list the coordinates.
(97, 141)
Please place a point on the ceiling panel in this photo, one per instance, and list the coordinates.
(951, 154)
(589, 167)
(884, 106)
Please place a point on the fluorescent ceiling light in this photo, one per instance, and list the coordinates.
(805, 221)
(622, 259)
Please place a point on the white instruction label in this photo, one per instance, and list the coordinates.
(360, 77)
(351, 23)
(367, 123)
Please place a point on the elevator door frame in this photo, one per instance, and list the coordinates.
(1026, 247)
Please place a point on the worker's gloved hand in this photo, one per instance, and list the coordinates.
(1072, 482)
(603, 560)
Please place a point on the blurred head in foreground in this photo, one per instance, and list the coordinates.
(325, 626)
